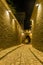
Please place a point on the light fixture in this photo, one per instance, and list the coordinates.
(37, 4)
(32, 21)
(7, 12)
(22, 34)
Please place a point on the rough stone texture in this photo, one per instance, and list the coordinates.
(8, 31)
(37, 30)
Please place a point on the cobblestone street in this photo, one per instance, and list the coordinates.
(21, 32)
(20, 56)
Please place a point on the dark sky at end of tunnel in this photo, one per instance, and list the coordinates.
(23, 6)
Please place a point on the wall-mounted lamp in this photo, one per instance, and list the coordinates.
(8, 11)
(37, 5)
(32, 21)
(22, 34)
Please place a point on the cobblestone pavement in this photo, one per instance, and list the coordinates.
(20, 56)
(37, 53)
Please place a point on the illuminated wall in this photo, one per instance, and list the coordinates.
(37, 27)
(9, 35)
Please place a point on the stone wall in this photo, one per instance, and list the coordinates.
(37, 27)
(9, 35)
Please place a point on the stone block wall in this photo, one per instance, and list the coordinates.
(8, 28)
(37, 30)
